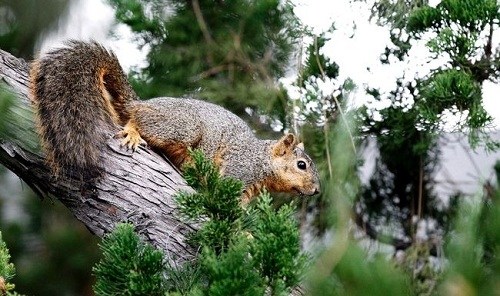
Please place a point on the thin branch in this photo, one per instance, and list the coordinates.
(204, 28)
(323, 74)
(420, 188)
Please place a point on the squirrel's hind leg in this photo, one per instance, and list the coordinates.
(130, 136)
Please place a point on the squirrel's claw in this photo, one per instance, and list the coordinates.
(131, 138)
(131, 142)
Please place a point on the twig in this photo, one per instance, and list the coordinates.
(323, 74)
(204, 28)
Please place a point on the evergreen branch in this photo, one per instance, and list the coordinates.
(244, 252)
(129, 266)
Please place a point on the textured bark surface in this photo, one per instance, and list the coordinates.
(138, 187)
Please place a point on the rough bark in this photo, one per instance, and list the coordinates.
(137, 187)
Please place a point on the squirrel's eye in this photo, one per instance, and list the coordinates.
(301, 165)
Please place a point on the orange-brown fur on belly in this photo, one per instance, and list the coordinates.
(176, 152)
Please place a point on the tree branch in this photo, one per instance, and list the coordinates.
(137, 187)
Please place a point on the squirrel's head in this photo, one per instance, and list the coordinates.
(294, 171)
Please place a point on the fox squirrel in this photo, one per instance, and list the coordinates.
(80, 93)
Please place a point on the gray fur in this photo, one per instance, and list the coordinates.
(210, 128)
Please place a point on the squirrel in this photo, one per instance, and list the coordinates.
(80, 93)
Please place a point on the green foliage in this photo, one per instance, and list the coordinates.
(355, 275)
(245, 252)
(472, 14)
(423, 18)
(275, 246)
(343, 267)
(183, 281)
(317, 64)
(419, 264)
(460, 27)
(129, 266)
(394, 13)
(231, 272)
(320, 105)
(402, 186)
(317, 74)
(447, 41)
(204, 177)
(402, 178)
(463, 34)
(217, 199)
(7, 269)
(450, 89)
(263, 258)
(473, 249)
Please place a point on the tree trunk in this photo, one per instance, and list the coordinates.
(137, 187)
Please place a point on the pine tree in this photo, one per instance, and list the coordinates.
(7, 270)
(243, 252)
(129, 266)
(407, 134)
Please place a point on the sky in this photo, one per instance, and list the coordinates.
(355, 45)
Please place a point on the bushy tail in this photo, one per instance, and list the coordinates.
(80, 94)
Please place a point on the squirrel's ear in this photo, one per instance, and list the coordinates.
(300, 145)
(285, 144)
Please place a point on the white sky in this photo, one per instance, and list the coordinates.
(356, 45)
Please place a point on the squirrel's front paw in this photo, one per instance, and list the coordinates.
(131, 137)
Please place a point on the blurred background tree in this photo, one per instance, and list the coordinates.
(401, 195)
(22, 24)
(408, 132)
